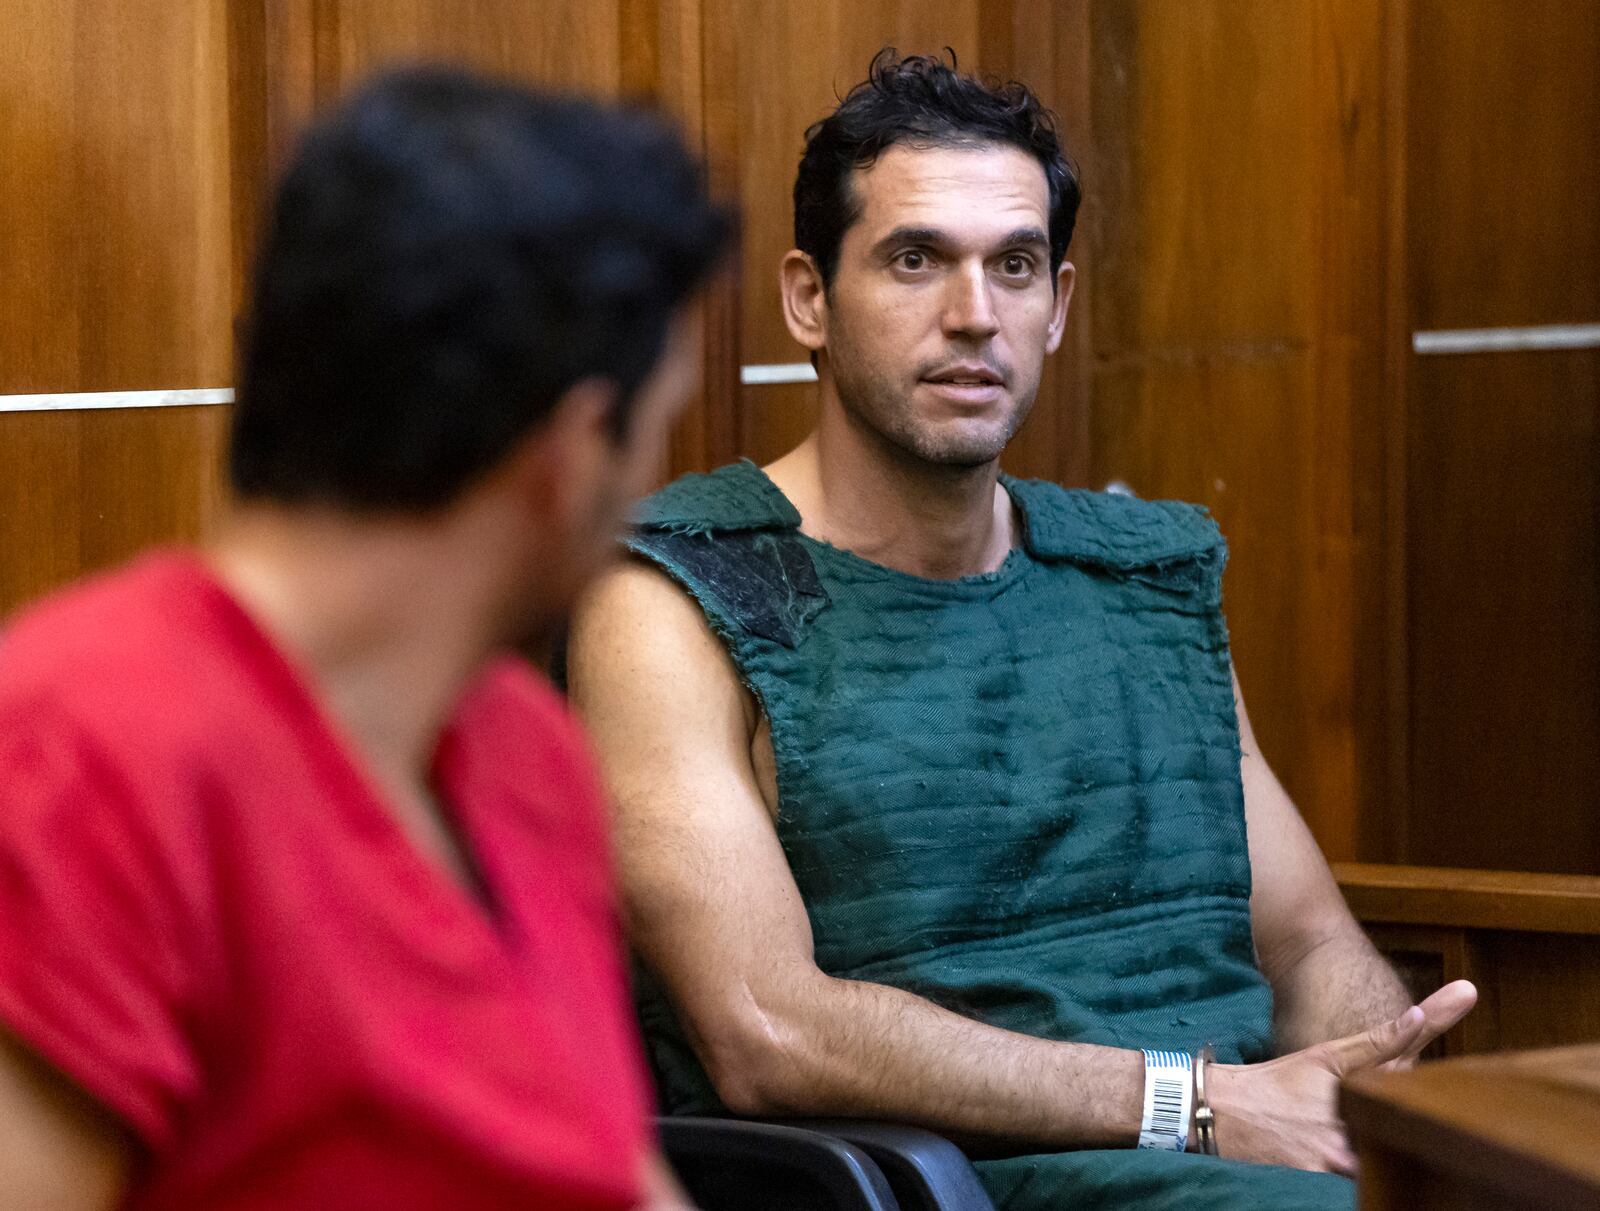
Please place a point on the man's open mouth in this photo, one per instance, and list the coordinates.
(966, 376)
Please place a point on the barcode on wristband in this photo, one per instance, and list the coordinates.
(1167, 1113)
(1167, 1100)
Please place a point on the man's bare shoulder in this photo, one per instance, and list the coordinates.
(638, 634)
(635, 606)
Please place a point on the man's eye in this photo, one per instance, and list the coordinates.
(1016, 265)
(911, 258)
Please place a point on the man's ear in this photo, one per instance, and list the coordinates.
(557, 467)
(1066, 278)
(805, 303)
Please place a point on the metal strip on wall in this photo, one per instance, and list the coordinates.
(778, 372)
(72, 401)
(1501, 340)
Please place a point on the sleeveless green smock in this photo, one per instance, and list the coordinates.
(1016, 795)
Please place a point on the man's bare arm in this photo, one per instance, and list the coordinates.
(1328, 980)
(58, 1150)
(714, 911)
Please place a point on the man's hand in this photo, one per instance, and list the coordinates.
(1284, 1112)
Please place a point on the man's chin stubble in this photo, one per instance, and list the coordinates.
(949, 455)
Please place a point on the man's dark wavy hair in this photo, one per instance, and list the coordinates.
(922, 101)
(447, 256)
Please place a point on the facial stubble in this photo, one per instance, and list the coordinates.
(884, 406)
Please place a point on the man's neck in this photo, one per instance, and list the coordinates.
(390, 620)
(855, 491)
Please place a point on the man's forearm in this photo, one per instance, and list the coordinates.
(862, 1049)
(1338, 987)
(849, 1048)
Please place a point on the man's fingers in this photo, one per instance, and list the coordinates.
(1384, 1042)
(1446, 1007)
(1441, 1011)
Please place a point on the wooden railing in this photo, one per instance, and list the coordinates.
(1530, 942)
(1511, 1133)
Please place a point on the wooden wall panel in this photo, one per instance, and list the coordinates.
(1502, 478)
(1505, 611)
(1504, 163)
(115, 234)
(574, 44)
(1530, 942)
(1236, 312)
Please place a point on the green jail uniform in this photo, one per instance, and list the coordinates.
(1016, 795)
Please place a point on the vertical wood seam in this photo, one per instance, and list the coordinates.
(720, 147)
(1395, 810)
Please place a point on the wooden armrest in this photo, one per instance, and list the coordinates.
(1471, 899)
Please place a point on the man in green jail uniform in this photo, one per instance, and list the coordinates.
(936, 799)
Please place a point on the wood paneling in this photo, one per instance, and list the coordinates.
(1236, 303)
(116, 237)
(1530, 942)
(1472, 899)
(1504, 150)
(1502, 476)
(1505, 610)
(574, 44)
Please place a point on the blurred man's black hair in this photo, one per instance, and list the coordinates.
(920, 101)
(446, 257)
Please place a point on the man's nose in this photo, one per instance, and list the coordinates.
(969, 305)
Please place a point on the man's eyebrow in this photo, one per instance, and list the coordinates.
(932, 237)
(1024, 237)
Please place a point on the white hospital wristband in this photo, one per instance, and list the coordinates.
(1168, 1100)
